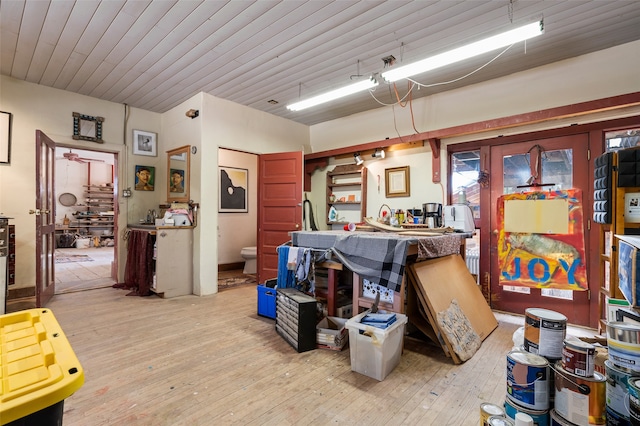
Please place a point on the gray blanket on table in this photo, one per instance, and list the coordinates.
(380, 260)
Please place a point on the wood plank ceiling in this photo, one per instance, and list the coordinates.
(266, 54)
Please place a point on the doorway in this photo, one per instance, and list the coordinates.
(563, 162)
(85, 219)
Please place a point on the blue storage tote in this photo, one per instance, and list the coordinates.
(629, 268)
(267, 299)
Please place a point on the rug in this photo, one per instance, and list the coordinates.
(70, 258)
(226, 283)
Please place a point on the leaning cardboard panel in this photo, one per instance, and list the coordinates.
(447, 278)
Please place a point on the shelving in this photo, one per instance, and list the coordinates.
(623, 182)
(347, 194)
(96, 213)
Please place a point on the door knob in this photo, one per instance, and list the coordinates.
(297, 226)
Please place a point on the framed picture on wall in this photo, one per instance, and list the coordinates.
(5, 137)
(233, 190)
(145, 177)
(397, 182)
(145, 143)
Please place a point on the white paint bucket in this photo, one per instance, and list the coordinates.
(528, 380)
(544, 332)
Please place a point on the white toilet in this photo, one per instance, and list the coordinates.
(249, 255)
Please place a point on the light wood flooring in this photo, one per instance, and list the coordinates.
(78, 276)
(213, 361)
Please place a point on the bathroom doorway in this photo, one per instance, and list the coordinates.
(85, 219)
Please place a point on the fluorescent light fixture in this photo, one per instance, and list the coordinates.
(465, 52)
(334, 94)
(358, 158)
(379, 153)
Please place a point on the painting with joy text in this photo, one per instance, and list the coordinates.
(544, 260)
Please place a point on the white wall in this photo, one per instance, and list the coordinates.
(222, 124)
(36, 107)
(603, 74)
(238, 230)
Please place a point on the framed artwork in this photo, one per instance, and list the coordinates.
(145, 143)
(233, 190)
(87, 127)
(397, 182)
(5, 137)
(145, 177)
(176, 181)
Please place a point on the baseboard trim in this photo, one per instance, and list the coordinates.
(230, 266)
(20, 293)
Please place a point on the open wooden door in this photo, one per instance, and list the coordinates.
(45, 219)
(280, 179)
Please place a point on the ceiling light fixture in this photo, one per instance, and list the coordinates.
(379, 153)
(358, 159)
(465, 52)
(334, 94)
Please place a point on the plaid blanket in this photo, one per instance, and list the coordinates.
(375, 257)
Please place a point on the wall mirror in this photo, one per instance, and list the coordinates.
(87, 128)
(178, 174)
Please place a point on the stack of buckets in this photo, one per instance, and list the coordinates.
(552, 378)
(623, 374)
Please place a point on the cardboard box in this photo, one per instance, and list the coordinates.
(332, 334)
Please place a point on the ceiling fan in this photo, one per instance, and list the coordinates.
(72, 156)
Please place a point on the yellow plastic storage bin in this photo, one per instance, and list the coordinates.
(38, 368)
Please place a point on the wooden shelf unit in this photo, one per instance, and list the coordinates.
(343, 181)
(608, 247)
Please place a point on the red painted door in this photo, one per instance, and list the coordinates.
(45, 214)
(562, 161)
(280, 178)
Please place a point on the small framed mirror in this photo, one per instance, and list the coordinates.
(87, 128)
(178, 174)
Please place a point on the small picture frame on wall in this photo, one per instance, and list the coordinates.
(233, 190)
(145, 177)
(397, 182)
(145, 143)
(5, 137)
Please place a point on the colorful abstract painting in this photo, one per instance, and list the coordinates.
(544, 260)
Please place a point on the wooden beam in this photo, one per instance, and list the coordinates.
(435, 160)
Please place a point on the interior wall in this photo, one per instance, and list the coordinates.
(226, 124)
(71, 176)
(36, 107)
(238, 230)
(598, 75)
(584, 78)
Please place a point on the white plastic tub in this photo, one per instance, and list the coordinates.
(375, 352)
(82, 242)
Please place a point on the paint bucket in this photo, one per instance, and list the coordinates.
(540, 417)
(499, 421)
(487, 410)
(617, 392)
(615, 419)
(634, 400)
(623, 341)
(528, 380)
(578, 357)
(556, 420)
(580, 400)
(544, 332)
